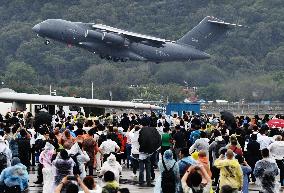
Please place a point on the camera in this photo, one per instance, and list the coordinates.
(72, 178)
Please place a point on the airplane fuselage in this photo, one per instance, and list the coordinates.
(115, 46)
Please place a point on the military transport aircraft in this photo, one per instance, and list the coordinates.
(121, 45)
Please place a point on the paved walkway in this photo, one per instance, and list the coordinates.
(127, 182)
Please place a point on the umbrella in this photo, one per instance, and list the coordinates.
(228, 117)
(276, 123)
(149, 140)
(42, 118)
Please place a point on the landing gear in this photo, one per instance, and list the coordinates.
(46, 42)
(115, 59)
(123, 60)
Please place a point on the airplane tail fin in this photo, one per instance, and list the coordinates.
(207, 31)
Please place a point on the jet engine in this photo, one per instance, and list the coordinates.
(108, 38)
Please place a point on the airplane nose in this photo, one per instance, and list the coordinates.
(36, 28)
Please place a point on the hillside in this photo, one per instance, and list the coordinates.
(248, 63)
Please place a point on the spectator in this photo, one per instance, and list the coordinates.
(135, 149)
(185, 161)
(230, 171)
(192, 180)
(24, 148)
(246, 171)
(107, 147)
(63, 166)
(277, 152)
(7, 153)
(166, 138)
(167, 163)
(179, 141)
(264, 140)
(201, 144)
(80, 157)
(71, 187)
(111, 186)
(91, 185)
(112, 165)
(253, 153)
(234, 147)
(15, 177)
(45, 159)
(265, 172)
(91, 147)
(204, 161)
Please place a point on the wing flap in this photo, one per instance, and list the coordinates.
(135, 37)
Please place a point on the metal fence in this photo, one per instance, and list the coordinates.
(244, 109)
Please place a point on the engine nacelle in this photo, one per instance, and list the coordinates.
(94, 34)
(108, 38)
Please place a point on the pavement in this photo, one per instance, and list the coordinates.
(126, 182)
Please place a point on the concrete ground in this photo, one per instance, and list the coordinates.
(127, 182)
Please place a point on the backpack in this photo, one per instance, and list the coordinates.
(76, 168)
(168, 182)
(3, 161)
(218, 146)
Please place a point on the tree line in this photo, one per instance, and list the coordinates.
(248, 63)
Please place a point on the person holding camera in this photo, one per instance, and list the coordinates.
(230, 171)
(192, 180)
(68, 183)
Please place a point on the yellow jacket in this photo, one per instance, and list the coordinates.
(230, 173)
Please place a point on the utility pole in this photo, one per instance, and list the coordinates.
(52, 93)
(92, 90)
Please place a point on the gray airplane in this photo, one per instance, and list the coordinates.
(120, 45)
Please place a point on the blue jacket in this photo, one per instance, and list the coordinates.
(16, 175)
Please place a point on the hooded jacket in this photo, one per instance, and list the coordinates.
(111, 165)
(265, 172)
(16, 175)
(63, 168)
(276, 150)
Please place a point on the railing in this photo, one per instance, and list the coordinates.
(244, 109)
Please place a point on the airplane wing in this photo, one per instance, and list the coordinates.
(9, 96)
(132, 36)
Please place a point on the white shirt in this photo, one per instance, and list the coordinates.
(33, 133)
(264, 141)
(108, 146)
(134, 142)
(129, 135)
